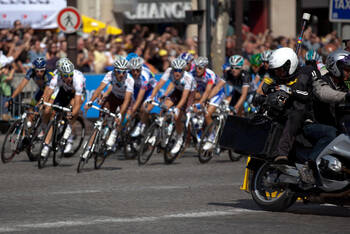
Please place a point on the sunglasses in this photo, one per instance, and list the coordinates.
(40, 70)
(235, 68)
(67, 75)
(199, 67)
(120, 71)
(135, 70)
(178, 70)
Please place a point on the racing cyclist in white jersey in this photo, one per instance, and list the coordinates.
(120, 95)
(178, 93)
(143, 87)
(67, 87)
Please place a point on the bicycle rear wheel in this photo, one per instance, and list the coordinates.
(205, 155)
(77, 138)
(148, 144)
(11, 142)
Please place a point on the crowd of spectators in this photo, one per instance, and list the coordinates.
(97, 50)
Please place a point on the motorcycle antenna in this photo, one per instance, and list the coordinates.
(306, 18)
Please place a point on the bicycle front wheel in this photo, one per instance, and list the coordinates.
(43, 159)
(148, 144)
(11, 142)
(77, 137)
(87, 151)
(207, 144)
(168, 156)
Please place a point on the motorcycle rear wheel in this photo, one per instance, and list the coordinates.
(268, 196)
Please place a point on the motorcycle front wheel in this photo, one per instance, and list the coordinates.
(269, 195)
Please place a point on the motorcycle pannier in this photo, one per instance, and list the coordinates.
(250, 137)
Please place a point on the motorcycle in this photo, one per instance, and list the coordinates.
(275, 187)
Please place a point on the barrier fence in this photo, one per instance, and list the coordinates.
(92, 82)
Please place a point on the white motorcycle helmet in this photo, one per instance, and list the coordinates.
(284, 58)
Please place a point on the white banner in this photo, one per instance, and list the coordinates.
(38, 14)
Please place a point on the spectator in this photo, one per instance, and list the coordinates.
(37, 51)
(84, 57)
(52, 56)
(100, 58)
(6, 75)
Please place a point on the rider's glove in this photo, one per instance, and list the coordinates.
(89, 103)
(119, 116)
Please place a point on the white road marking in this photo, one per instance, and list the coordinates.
(97, 220)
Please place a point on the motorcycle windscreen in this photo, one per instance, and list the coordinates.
(245, 136)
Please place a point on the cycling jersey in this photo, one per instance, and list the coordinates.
(186, 82)
(209, 77)
(40, 82)
(145, 81)
(119, 88)
(77, 87)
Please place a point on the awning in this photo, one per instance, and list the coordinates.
(90, 24)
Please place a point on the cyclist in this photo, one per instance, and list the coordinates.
(122, 89)
(264, 70)
(42, 77)
(143, 86)
(205, 80)
(237, 81)
(67, 87)
(188, 57)
(314, 59)
(181, 89)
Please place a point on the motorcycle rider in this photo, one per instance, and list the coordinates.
(333, 88)
(292, 87)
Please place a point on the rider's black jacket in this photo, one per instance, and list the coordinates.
(298, 106)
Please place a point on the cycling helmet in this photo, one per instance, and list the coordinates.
(284, 57)
(66, 67)
(265, 56)
(178, 63)
(121, 63)
(236, 61)
(201, 61)
(188, 57)
(135, 63)
(39, 63)
(60, 61)
(255, 60)
(336, 61)
(312, 55)
(131, 56)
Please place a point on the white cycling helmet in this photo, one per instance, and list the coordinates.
(178, 63)
(135, 63)
(201, 62)
(121, 63)
(65, 66)
(286, 58)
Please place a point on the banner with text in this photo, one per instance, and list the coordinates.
(38, 14)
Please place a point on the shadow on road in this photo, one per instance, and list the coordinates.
(298, 208)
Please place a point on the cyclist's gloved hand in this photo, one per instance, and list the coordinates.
(88, 105)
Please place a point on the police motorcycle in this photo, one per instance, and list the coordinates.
(275, 187)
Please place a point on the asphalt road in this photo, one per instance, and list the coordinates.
(122, 197)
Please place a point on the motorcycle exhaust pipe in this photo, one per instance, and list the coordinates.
(333, 198)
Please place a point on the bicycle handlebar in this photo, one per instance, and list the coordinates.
(104, 110)
(57, 107)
